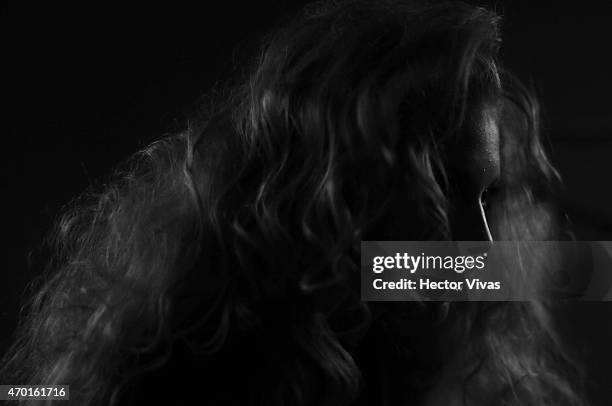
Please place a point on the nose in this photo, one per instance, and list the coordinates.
(468, 222)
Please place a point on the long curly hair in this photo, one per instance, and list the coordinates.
(227, 257)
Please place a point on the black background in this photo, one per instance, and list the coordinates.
(89, 85)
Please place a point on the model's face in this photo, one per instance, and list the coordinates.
(475, 169)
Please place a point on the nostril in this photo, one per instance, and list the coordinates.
(484, 198)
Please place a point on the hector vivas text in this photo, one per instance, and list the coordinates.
(415, 264)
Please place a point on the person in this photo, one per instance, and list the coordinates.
(222, 264)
